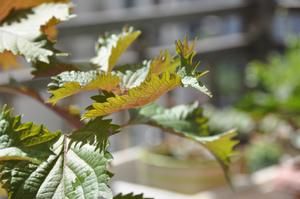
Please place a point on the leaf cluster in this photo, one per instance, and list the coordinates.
(37, 163)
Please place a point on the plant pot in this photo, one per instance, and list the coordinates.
(183, 176)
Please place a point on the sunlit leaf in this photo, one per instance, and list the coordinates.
(110, 47)
(147, 92)
(192, 81)
(8, 5)
(221, 146)
(163, 63)
(19, 37)
(16, 137)
(188, 69)
(133, 78)
(95, 132)
(34, 166)
(70, 83)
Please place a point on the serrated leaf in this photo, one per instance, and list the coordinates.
(180, 65)
(72, 82)
(19, 37)
(95, 132)
(79, 172)
(31, 134)
(133, 78)
(139, 96)
(188, 121)
(15, 137)
(187, 70)
(220, 145)
(60, 172)
(110, 48)
(76, 173)
(130, 196)
(8, 5)
(32, 51)
(189, 81)
(164, 63)
(187, 53)
(187, 118)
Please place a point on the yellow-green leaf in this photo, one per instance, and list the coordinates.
(73, 82)
(147, 92)
(220, 145)
(110, 48)
(133, 78)
(189, 70)
(164, 63)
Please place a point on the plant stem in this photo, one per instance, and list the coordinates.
(74, 120)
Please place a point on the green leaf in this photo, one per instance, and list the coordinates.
(20, 37)
(181, 118)
(163, 63)
(130, 196)
(19, 141)
(79, 172)
(139, 96)
(49, 170)
(188, 121)
(187, 70)
(72, 82)
(221, 146)
(110, 47)
(150, 81)
(133, 78)
(191, 81)
(275, 86)
(186, 53)
(95, 132)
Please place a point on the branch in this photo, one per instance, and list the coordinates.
(62, 112)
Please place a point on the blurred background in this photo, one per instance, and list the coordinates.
(252, 52)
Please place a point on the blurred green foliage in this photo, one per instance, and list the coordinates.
(228, 118)
(275, 86)
(269, 111)
(263, 154)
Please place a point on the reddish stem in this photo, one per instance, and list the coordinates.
(74, 120)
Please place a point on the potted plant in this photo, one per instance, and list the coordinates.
(38, 163)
